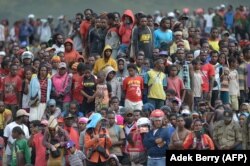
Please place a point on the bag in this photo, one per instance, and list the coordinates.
(34, 101)
(20, 159)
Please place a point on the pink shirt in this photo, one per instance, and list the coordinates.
(176, 84)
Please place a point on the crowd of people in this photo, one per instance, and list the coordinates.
(120, 89)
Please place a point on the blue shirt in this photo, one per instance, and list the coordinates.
(160, 36)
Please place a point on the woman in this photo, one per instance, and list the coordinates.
(25, 89)
(82, 122)
(196, 140)
(40, 88)
(97, 141)
(55, 139)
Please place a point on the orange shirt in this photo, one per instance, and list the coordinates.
(92, 143)
(84, 27)
(77, 87)
(133, 87)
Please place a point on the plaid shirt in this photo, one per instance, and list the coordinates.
(242, 71)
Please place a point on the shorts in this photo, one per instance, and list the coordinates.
(234, 102)
(133, 105)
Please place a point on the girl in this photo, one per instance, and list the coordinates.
(20, 149)
(224, 92)
(25, 89)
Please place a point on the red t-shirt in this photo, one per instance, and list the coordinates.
(133, 87)
(77, 87)
(40, 149)
(207, 71)
(10, 86)
(176, 84)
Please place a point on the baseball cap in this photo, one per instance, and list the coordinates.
(70, 144)
(62, 65)
(185, 112)
(51, 102)
(83, 120)
(22, 112)
(225, 33)
(163, 53)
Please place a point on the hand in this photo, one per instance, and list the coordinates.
(90, 99)
(158, 140)
(161, 144)
(53, 148)
(57, 145)
(96, 137)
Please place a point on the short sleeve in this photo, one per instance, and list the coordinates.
(211, 71)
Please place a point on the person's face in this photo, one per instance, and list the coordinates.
(115, 104)
(131, 71)
(112, 162)
(203, 56)
(173, 71)
(15, 50)
(100, 78)
(139, 60)
(178, 37)
(68, 122)
(103, 113)
(150, 22)
(191, 32)
(129, 118)
(157, 123)
(72, 108)
(166, 24)
(28, 74)
(225, 51)
(227, 120)
(146, 63)
(14, 135)
(173, 120)
(46, 56)
(111, 118)
(27, 61)
(222, 59)
(16, 62)
(52, 131)
(43, 72)
(25, 119)
(161, 65)
(36, 64)
(242, 119)
(111, 75)
(180, 122)
(156, 52)
(88, 15)
(13, 70)
(103, 23)
(215, 33)
(137, 115)
(52, 108)
(234, 65)
(231, 47)
(87, 73)
(59, 39)
(197, 126)
(97, 23)
(214, 58)
(2, 107)
(55, 65)
(108, 53)
(244, 108)
(120, 65)
(117, 19)
(62, 71)
(68, 47)
(72, 150)
(205, 46)
(190, 57)
(197, 66)
(143, 22)
(82, 126)
(180, 55)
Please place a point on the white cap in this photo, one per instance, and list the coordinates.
(171, 14)
(185, 111)
(31, 16)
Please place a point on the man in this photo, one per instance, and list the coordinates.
(142, 39)
(59, 41)
(229, 17)
(179, 135)
(137, 114)
(21, 118)
(27, 58)
(5, 117)
(155, 81)
(107, 60)
(52, 109)
(73, 110)
(112, 37)
(207, 71)
(117, 136)
(209, 20)
(70, 54)
(156, 140)
(62, 26)
(11, 88)
(227, 133)
(214, 39)
(84, 27)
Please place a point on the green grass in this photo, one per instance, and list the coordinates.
(17, 9)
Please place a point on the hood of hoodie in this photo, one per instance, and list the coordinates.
(107, 47)
(68, 40)
(125, 70)
(107, 70)
(129, 13)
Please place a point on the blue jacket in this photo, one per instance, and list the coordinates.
(149, 142)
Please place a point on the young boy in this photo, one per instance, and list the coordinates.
(133, 86)
(76, 157)
(197, 83)
(174, 82)
(234, 91)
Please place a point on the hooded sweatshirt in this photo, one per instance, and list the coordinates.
(125, 30)
(116, 86)
(101, 64)
(72, 55)
(121, 75)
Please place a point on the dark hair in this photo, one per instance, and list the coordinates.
(104, 109)
(5, 63)
(171, 91)
(131, 66)
(214, 52)
(80, 67)
(119, 15)
(111, 16)
(73, 102)
(232, 60)
(195, 61)
(163, 20)
(142, 16)
(173, 66)
(138, 111)
(110, 113)
(91, 11)
(213, 28)
(113, 98)
(45, 43)
(18, 130)
(36, 123)
(245, 50)
(79, 14)
(150, 16)
(42, 65)
(87, 67)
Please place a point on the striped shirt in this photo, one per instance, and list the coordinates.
(77, 158)
(242, 73)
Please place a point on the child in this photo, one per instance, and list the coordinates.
(25, 89)
(82, 122)
(76, 157)
(234, 91)
(133, 86)
(174, 82)
(224, 92)
(20, 149)
(88, 90)
(113, 160)
(197, 83)
(103, 92)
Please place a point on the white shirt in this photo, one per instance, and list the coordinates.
(209, 20)
(197, 84)
(58, 49)
(8, 133)
(234, 88)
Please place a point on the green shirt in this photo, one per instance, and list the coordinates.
(20, 146)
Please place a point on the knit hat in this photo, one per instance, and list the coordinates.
(56, 59)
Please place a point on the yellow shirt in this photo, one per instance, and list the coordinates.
(173, 47)
(214, 44)
(3, 117)
(156, 82)
(101, 64)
